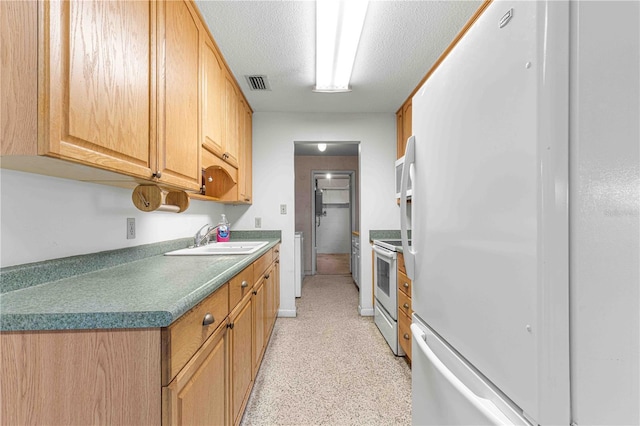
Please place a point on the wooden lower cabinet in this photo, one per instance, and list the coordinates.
(242, 352)
(80, 377)
(404, 308)
(199, 394)
(198, 371)
(259, 316)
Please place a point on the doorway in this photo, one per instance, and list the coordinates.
(340, 159)
(333, 221)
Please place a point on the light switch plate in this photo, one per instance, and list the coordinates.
(283, 209)
(258, 222)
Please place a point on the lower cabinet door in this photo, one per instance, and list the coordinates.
(241, 340)
(199, 393)
(259, 322)
(404, 333)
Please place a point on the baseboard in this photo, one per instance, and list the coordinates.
(288, 313)
(366, 312)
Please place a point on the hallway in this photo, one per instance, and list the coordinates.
(329, 365)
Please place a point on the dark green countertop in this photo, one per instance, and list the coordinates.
(150, 292)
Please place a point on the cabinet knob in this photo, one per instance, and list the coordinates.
(278, 261)
(208, 319)
(254, 292)
(406, 285)
(244, 284)
(157, 174)
(406, 336)
(406, 306)
(230, 325)
(266, 276)
(210, 179)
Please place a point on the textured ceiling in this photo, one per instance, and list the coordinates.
(400, 42)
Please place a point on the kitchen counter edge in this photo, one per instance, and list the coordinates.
(94, 318)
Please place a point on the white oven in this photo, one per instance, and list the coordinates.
(386, 292)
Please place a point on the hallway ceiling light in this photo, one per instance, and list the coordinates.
(322, 147)
(328, 175)
(338, 29)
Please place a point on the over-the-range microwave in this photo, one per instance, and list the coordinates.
(399, 165)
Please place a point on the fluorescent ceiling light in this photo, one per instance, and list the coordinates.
(322, 147)
(338, 29)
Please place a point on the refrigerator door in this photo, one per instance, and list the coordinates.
(489, 213)
(447, 391)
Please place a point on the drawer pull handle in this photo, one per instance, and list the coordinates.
(230, 325)
(406, 336)
(254, 292)
(244, 284)
(406, 285)
(406, 306)
(208, 319)
(266, 276)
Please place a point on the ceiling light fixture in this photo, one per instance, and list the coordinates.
(322, 147)
(338, 28)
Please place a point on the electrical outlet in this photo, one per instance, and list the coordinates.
(131, 228)
(283, 209)
(258, 222)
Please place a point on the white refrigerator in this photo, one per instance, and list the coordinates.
(495, 327)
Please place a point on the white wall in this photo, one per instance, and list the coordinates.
(46, 218)
(273, 182)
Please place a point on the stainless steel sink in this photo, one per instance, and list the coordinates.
(222, 248)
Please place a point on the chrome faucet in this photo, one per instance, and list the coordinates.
(202, 239)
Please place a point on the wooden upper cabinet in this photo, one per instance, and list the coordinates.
(403, 123)
(179, 142)
(231, 144)
(400, 136)
(99, 85)
(137, 90)
(213, 101)
(246, 156)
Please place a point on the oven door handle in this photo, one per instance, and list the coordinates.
(387, 254)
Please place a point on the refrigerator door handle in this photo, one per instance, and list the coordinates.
(408, 169)
(484, 406)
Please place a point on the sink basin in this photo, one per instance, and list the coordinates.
(222, 248)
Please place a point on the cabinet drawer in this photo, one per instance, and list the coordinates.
(184, 337)
(240, 285)
(404, 304)
(404, 283)
(404, 333)
(261, 265)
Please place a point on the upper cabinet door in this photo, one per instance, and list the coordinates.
(98, 94)
(179, 51)
(245, 159)
(213, 102)
(231, 144)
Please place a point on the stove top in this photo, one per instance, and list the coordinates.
(390, 244)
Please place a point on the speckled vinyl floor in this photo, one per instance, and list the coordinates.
(329, 366)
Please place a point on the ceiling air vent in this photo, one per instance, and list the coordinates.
(258, 82)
